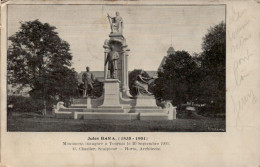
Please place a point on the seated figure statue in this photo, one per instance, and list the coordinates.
(142, 84)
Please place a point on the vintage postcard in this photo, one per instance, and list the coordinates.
(117, 83)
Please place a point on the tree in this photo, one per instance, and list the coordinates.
(97, 89)
(40, 59)
(213, 67)
(132, 78)
(176, 81)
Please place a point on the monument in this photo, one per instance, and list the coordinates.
(116, 101)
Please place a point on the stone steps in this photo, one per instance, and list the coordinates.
(102, 110)
(153, 116)
(78, 106)
(147, 110)
(71, 109)
(112, 115)
(68, 115)
(106, 116)
(114, 107)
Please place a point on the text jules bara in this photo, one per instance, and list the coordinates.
(109, 138)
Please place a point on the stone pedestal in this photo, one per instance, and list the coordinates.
(146, 106)
(89, 103)
(146, 101)
(111, 94)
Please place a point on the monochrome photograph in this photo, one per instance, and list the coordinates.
(116, 68)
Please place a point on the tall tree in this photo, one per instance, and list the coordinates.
(40, 59)
(213, 66)
(176, 81)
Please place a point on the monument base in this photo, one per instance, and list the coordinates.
(113, 106)
(111, 94)
(146, 101)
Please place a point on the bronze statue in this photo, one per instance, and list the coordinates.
(88, 80)
(111, 59)
(116, 23)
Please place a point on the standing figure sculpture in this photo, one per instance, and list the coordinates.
(116, 23)
(88, 80)
(111, 60)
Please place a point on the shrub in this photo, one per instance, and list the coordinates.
(28, 104)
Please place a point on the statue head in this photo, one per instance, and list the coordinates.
(117, 13)
(106, 42)
(112, 47)
(142, 72)
(87, 68)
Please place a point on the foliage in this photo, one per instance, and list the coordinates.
(132, 78)
(199, 78)
(27, 104)
(213, 67)
(176, 80)
(40, 59)
(97, 88)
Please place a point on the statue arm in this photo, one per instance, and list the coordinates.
(142, 79)
(93, 77)
(146, 78)
(108, 16)
(116, 56)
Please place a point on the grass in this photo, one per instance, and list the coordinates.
(41, 124)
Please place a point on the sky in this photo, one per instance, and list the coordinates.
(149, 30)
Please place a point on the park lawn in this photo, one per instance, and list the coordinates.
(40, 124)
